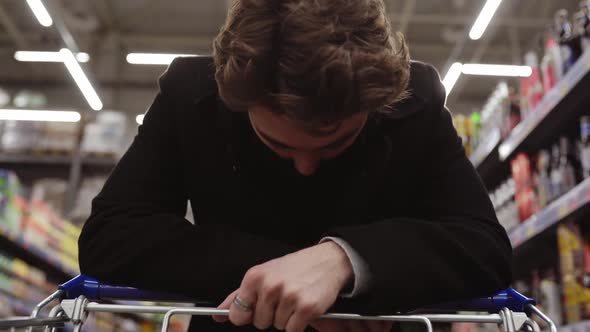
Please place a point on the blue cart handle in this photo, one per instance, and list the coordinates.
(96, 290)
(507, 298)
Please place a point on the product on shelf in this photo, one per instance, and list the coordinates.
(106, 136)
(585, 145)
(566, 168)
(532, 86)
(576, 297)
(88, 190)
(51, 191)
(505, 205)
(552, 63)
(20, 136)
(58, 137)
(461, 125)
(571, 48)
(497, 114)
(39, 137)
(542, 180)
(12, 204)
(526, 198)
(583, 20)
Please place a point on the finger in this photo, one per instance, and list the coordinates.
(225, 305)
(297, 322)
(284, 311)
(237, 314)
(265, 309)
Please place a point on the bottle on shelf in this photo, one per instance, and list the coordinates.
(551, 64)
(585, 145)
(571, 48)
(556, 174)
(542, 179)
(549, 291)
(566, 168)
(582, 22)
(532, 86)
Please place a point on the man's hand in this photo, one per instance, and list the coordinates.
(289, 292)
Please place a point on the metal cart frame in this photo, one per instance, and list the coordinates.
(509, 309)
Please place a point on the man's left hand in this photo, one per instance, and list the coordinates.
(289, 292)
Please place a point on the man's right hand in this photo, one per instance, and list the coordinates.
(325, 325)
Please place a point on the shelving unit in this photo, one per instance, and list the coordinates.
(35, 256)
(560, 209)
(558, 109)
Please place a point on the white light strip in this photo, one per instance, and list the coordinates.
(497, 70)
(452, 76)
(80, 78)
(139, 119)
(41, 115)
(484, 19)
(153, 58)
(40, 12)
(39, 56)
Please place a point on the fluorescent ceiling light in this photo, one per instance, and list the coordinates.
(497, 70)
(40, 12)
(139, 119)
(153, 58)
(39, 56)
(83, 57)
(452, 76)
(81, 80)
(484, 19)
(40, 115)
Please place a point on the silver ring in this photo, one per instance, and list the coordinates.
(242, 305)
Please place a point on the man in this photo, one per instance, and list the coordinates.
(322, 167)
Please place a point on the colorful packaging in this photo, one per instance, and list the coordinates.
(532, 86)
(571, 259)
(551, 65)
(542, 180)
(521, 171)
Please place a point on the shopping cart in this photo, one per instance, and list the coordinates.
(74, 302)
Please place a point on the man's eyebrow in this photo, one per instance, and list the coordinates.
(337, 143)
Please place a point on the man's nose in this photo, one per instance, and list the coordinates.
(306, 163)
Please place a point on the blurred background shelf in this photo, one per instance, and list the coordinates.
(554, 115)
(35, 256)
(571, 202)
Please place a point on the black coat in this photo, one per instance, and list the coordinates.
(404, 196)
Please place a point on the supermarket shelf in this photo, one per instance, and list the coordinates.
(568, 89)
(574, 327)
(62, 160)
(484, 149)
(37, 256)
(55, 160)
(99, 162)
(570, 202)
(19, 307)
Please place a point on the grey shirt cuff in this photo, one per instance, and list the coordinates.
(360, 268)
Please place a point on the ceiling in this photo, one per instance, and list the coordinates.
(436, 31)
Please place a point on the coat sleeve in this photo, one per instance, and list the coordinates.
(137, 235)
(457, 251)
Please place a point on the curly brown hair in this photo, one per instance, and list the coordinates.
(312, 60)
